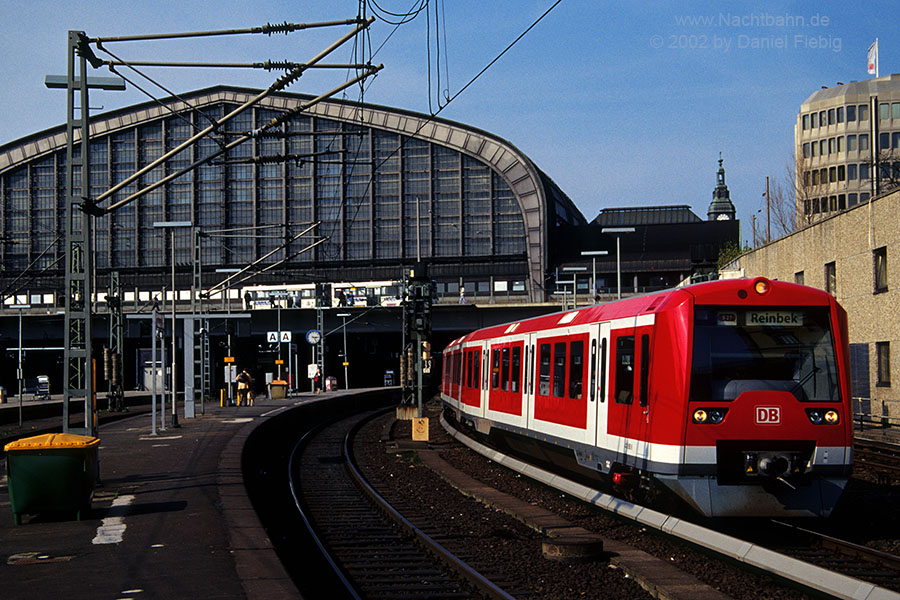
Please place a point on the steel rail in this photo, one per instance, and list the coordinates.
(474, 577)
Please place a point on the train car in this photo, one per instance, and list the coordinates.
(296, 295)
(304, 295)
(732, 394)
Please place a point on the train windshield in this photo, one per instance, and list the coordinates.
(748, 349)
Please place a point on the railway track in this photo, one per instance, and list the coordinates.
(842, 556)
(823, 565)
(374, 549)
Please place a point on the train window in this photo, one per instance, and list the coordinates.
(531, 371)
(476, 363)
(559, 370)
(504, 370)
(544, 384)
(645, 368)
(576, 369)
(624, 369)
(468, 368)
(495, 370)
(739, 349)
(515, 369)
(593, 369)
(603, 370)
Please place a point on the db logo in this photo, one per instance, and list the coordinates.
(768, 415)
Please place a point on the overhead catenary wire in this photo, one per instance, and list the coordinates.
(450, 99)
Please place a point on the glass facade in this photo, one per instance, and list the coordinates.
(378, 196)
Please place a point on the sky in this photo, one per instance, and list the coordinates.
(621, 104)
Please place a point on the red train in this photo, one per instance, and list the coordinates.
(733, 394)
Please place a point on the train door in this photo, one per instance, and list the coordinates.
(471, 394)
(629, 410)
(600, 353)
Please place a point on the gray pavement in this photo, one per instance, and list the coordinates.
(170, 519)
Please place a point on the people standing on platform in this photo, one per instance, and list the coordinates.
(317, 381)
(244, 385)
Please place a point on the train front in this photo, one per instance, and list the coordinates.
(769, 419)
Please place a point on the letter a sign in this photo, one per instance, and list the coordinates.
(274, 337)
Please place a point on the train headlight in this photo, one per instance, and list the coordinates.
(819, 416)
(710, 416)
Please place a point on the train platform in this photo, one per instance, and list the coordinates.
(170, 518)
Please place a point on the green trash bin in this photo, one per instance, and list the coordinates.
(54, 472)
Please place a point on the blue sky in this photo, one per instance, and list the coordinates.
(622, 104)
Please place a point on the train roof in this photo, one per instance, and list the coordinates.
(723, 292)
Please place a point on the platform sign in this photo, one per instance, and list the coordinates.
(229, 359)
(278, 361)
(274, 337)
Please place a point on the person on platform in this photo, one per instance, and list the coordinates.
(244, 386)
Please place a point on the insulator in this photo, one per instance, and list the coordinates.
(284, 28)
(286, 80)
(280, 65)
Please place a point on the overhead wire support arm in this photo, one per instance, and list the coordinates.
(269, 65)
(267, 29)
(89, 206)
(275, 87)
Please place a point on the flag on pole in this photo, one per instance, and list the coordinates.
(872, 58)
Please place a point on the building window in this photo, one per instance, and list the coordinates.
(863, 141)
(851, 113)
(884, 111)
(831, 119)
(851, 143)
(798, 277)
(863, 112)
(815, 120)
(831, 278)
(883, 360)
(851, 172)
(863, 170)
(851, 199)
(895, 110)
(840, 114)
(879, 259)
(805, 122)
(806, 150)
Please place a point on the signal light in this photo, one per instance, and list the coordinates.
(761, 286)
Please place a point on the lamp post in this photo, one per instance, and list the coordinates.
(618, 231)
(594, 254)
(346, 362)
(21, 307)
(230, 376)
(574, 271)
(171, 225)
